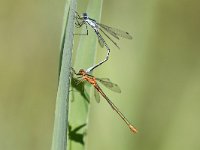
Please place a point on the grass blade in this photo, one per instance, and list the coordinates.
(85, 58)
(59, 141)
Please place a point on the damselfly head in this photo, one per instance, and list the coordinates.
(81, 72)
(85, 16)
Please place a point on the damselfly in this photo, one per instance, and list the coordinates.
(85, 19)
(93, 81)
(105, 81)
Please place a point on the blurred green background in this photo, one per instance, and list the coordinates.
(158, 72)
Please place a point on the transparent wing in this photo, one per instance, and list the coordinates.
(107, 83)
(86, 95)
(109, 38)
(108, 30)
(96, 95)
(104, 79)
(100, 42)
(115, 32)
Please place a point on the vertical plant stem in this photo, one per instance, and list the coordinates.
(59, 141)
(85, 58)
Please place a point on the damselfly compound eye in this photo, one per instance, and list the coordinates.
(85, 16)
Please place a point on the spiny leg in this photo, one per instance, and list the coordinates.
(80, 25)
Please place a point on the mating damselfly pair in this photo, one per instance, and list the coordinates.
(84, 75)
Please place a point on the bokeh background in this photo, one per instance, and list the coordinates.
(158, 72)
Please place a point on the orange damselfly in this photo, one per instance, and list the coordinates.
(93, 81)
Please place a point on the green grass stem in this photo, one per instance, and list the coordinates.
(85, 58)
(59, 140)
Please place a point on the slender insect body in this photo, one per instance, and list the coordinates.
(85, 19)
(93, 81)
(92, 24)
